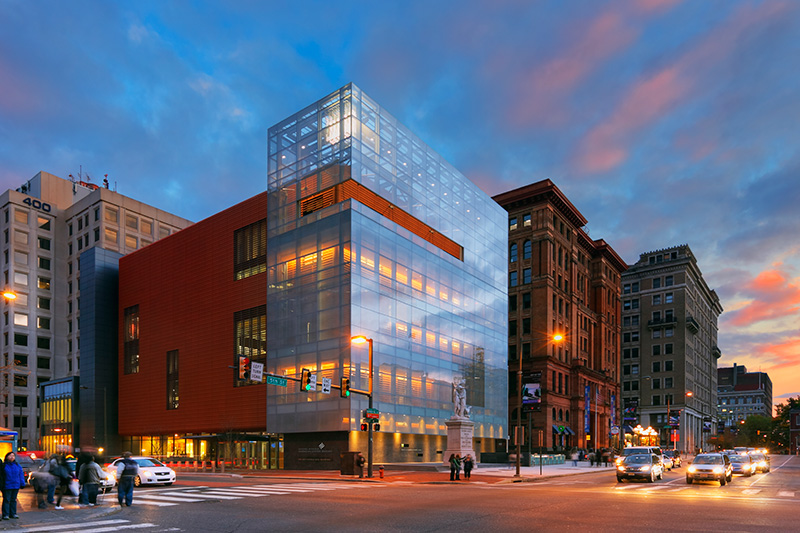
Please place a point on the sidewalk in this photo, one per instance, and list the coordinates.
(424, 473)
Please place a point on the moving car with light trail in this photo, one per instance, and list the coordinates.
(710, 467)
(641, 465)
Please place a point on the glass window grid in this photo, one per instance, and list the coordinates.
(390, 161)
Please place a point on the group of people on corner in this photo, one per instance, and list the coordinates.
(595, 457)
(456, 462)
(55, 475)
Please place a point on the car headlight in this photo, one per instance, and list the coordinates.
(718, 469)
(645, 469)
(621, 468)
(692, 469)
(619, 461)
(762, 464)
(147, 473)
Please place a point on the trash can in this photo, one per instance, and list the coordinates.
(349, 466)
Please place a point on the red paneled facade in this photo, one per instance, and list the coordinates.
(187, 295)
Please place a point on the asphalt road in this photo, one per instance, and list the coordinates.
(586, 503)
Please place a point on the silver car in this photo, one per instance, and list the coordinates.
(710, 467)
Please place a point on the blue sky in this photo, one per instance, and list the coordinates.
(664, 121)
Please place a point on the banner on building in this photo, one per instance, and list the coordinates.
(674, 419)
(531, 396)
(586, 408)
(706, 427)
(613, 410)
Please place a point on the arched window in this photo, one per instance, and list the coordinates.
(566, 416)
(554, 414)
(560, 415)
(512, 253)
(526, 250)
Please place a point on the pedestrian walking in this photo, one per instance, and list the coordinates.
(41, 482)
(90, 476)
(12, 478)
(468, 465)
(63, 476)
(83, 458)
(606, 454)
(591, 458)
(50, 466)
(575, 456)
(127, 470)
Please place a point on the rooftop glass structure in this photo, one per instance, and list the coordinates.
(371, 232)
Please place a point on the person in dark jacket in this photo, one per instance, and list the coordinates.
(127, 470)
(83, 458)
(468, 465)
(12, 478)
(63, 475)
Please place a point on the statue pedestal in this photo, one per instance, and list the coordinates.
(459, 439)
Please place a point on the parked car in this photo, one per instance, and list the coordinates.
(675, 455)
(761, 461)
(743, 464)
(641, 465)
(151, 471)
(710, 466)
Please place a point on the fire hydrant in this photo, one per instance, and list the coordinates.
(380, 471)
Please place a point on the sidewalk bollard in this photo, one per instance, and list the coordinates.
(380, 471)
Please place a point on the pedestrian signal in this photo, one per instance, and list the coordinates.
(244, 367)
(376, 427)
(364, 426)
(345, 388)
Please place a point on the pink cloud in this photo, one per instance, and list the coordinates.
(773, 296)
(16, 95)
(656, 5)
(646, 101)
(541, 90)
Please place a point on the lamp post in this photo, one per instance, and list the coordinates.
(105, 414)
(361, 339)
(556, 338)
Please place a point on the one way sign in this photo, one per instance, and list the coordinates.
(326, 385)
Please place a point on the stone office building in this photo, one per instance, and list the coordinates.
(561, 281)
(741, 393)
(669, 347)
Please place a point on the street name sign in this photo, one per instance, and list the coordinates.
(275, 380)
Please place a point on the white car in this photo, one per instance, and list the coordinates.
(151, 471)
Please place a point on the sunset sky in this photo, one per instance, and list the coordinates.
(664, 121)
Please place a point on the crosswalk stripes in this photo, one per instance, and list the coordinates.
(97, 526)
(786, 493)
(166, 498)
(751, 491)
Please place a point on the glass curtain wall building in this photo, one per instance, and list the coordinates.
(370, 232)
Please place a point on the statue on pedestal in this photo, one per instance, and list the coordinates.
(460, 409)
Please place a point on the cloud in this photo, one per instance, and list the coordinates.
(772, 295)
(651, 99)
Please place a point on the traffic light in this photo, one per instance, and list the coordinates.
(364, 426)
(345, 388)
(305, 380)
(244, 367)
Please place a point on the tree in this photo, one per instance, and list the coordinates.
(780, 424)
(756, 431)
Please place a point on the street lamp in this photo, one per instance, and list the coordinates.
(361, 339)
(557, 337)
(105, 413)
